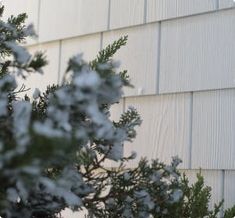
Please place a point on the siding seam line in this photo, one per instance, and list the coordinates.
(188, 15)
(197, 91)
(222, 191)
(123, 110)
(59, 65)
(38, 21)
(109, 15)
(217, 4)
(124, 104)
(190, 130)
(101, 40)
(145, 11)
(158, 59)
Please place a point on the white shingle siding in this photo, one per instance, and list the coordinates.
(88, 45)
(223, 4)
(50, 75)
(126, 13)
(229, 188)
(165, 129)
(139, 56)
(197, 53)
(68, 18)
(167, 9)
(213, 137)
(180, 57)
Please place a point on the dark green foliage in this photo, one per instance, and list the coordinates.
(38, 61)
(106, 54)
(13, 32)
(125, 78)
(160, 181)
(196, 199)
(1, 11)
(40, 106)
(129, 119)
(230, 213)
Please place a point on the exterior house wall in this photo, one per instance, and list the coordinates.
(180, 56)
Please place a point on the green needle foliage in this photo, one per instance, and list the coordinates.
(230, 213)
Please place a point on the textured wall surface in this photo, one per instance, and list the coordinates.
(180, 56)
